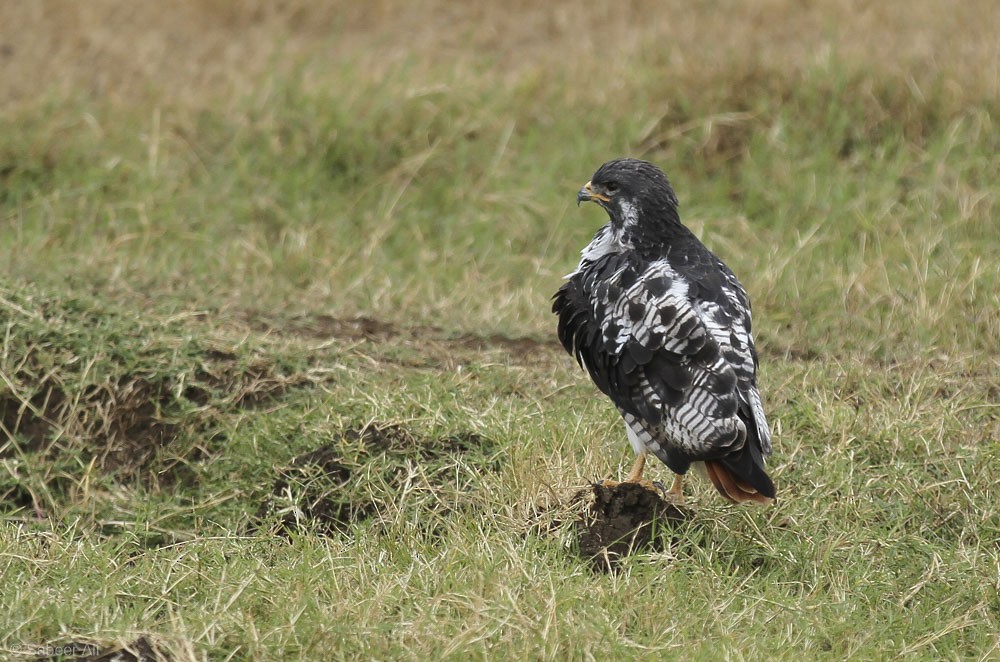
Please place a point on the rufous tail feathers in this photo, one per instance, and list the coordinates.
(732, 487)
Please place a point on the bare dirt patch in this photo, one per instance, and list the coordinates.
(370, 330)
(612, 523)
(623, 520)
(89, 383)
(123, 422)
(375, 472)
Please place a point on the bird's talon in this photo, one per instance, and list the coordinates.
(643, 483)
(647, 484)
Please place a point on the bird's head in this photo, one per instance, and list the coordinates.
(630, 190)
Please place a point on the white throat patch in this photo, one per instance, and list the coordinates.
(607, 240)
(630, 213)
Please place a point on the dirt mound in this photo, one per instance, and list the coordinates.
(610, 523)
(622, 520)
(374, 471)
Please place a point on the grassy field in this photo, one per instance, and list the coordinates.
(279, 378)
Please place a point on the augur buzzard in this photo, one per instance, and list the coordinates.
(663, 328)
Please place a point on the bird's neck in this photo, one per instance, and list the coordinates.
(653, 239)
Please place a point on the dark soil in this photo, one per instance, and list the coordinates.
(125, 423)
(612, 523)
(361, 474)
(622, 520)
(29, 420)
(378, 331)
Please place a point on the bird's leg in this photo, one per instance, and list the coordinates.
(676, 491)
(634, 475)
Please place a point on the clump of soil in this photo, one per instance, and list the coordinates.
(622, 520)
(610, 523)
(368, 472)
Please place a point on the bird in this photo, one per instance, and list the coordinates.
(663, 327)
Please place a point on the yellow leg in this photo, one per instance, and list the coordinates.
(676, 490)
(635, 475)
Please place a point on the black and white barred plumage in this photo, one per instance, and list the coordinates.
(663, 328)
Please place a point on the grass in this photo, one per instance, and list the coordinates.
(234, 237)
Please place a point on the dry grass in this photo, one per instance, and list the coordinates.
(245, 228)
(200, 52)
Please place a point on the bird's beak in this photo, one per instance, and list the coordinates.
(587, 194)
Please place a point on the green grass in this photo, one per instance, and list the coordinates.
(202, 279)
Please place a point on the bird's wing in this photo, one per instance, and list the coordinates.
(646, 344)
(724, 306)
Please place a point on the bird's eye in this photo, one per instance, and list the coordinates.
(611, 187)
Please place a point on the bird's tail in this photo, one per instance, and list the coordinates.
(741, 477)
